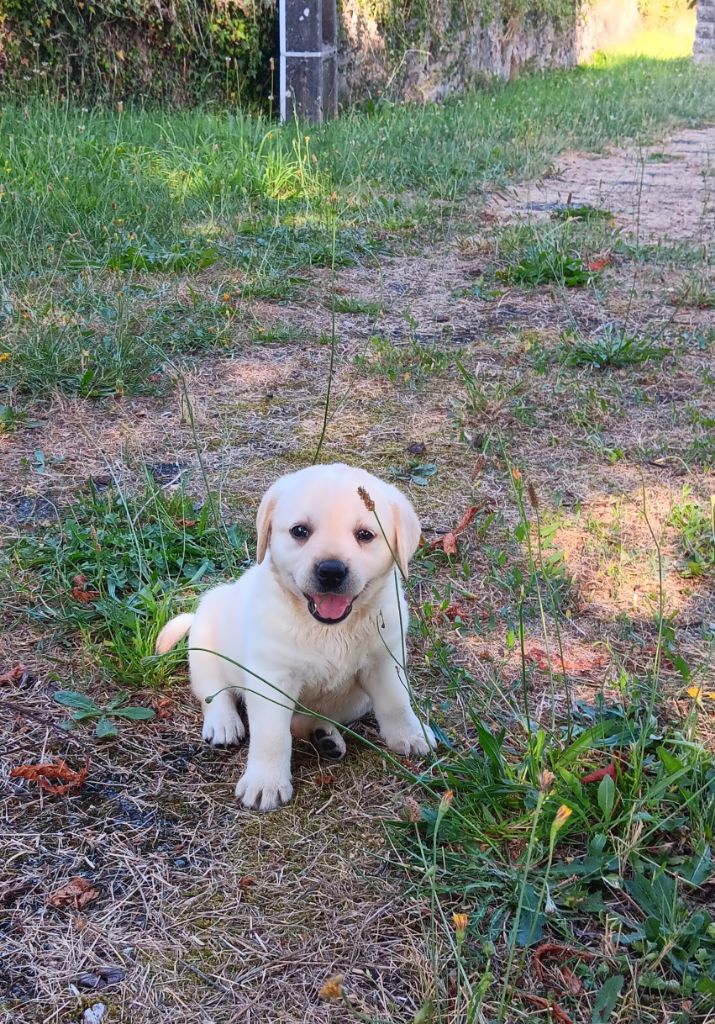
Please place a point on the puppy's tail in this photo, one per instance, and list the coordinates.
(175, 630)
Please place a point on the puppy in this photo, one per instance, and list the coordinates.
(319, 620)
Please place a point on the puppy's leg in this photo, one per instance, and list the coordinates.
(325, 735)
(399, 725)
(222, 722)
(266, 782)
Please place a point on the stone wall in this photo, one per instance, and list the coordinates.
(704, 48)
(450, 53)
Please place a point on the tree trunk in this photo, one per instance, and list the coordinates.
(704, 48)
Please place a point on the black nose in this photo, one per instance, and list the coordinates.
(331, 573)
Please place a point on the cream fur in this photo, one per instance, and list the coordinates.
(257, 636)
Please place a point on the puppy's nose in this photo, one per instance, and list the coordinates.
(331, 573)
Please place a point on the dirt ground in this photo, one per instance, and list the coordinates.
(213, 914)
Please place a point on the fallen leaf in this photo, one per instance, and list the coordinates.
(479, 464)
(559, 951)
(417, 448)
(574, 985)
(246, 882)
(414, 811)
(18, 675)
(557, 1014)
(163, 707)
(599, 263)
(456, 610)
(57, 778)
(77, 893)
(324, 780)
(103, 977)
(600, 774)
(584, 663)
(448, 543)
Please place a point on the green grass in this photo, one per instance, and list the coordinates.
(696, 526)
(118, 567)
(143, 189)
(612, 347)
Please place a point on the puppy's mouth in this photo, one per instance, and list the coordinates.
(330, 608)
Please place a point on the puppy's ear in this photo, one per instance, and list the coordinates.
(407, 531)
(264, 518)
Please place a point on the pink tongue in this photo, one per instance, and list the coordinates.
(331, 606)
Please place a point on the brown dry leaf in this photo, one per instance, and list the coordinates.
(246, 882)
(600, 774)
(163, 707)
(448, 543)
(15, 676)
(581, 665)
(57, 778)
(557, 1014)
(77, 893)
(414, 811)
(324, 780)
(479, 464)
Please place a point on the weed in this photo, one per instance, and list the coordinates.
(582, 211)
(695, 290)
(276, 332)
(120, 567)
(611, 347)
(359, 307)
(85, 709)
(150, 256)
(539, 834)
(551, 259)
(696, 526)
(80, 360)
(411, 363)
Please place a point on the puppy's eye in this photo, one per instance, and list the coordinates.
(364, 536)
(300, 532)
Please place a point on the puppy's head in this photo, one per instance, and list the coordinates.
(325, 546)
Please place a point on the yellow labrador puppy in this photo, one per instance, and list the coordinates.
(320, 619)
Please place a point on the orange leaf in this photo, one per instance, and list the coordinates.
(57, 778)
(599, 264)
(77, 893)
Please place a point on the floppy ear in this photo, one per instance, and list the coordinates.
(264, 518)
(407, 531)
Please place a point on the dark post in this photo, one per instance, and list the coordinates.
(308, 59)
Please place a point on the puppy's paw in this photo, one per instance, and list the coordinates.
(328, 742)
(223, 725)
(260, 789)
(416, 739)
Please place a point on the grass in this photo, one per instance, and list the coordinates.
(148, 259)
(143, 190)
(119, 567)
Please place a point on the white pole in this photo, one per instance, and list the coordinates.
(282, 56)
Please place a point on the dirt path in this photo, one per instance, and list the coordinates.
(656, 191)
(215, 915)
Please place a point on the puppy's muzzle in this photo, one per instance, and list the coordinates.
(329, 603)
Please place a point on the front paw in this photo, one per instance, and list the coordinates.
(415, 738)
(263, 789)
(222, 725)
